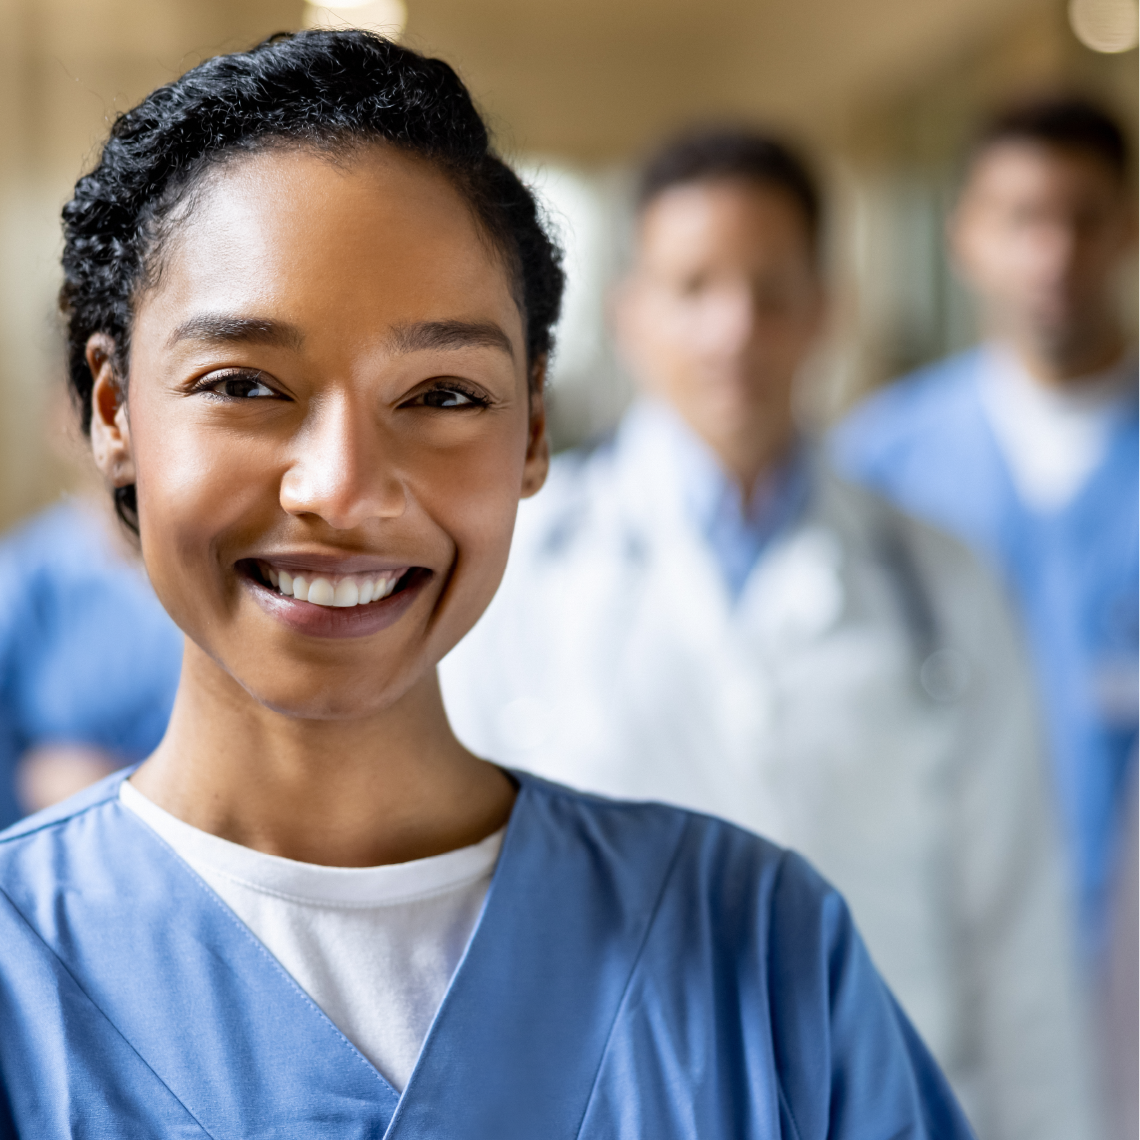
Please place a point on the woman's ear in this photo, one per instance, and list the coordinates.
(110, 429)
(537, 445)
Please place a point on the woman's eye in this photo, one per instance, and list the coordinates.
(240, 387)
(451, 398)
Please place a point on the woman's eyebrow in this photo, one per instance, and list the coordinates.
(425, 335)
(220, 328)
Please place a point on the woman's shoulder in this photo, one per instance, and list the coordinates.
(723, 936)
(712, 896)
(33, 850)
(698, 852)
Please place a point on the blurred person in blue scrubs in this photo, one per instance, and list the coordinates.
(1026, 446)
(89, 659)
(698, 610)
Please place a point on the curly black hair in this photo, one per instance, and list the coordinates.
(318, 89)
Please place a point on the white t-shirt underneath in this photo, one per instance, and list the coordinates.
(374, 947)
(1053, 438)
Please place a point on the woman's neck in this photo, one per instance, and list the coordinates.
(393, 787)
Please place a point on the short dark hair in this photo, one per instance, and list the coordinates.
(1065, 121)
(323, 90)
(706, 154)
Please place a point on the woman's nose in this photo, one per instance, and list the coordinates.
(342, 471)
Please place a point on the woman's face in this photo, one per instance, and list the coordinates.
(328, 404)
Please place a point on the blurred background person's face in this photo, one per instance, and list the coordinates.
(1039, 234)
(719, 312)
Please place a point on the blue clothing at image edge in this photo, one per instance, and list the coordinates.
(87, 653)
(926, 443)
(637, 971)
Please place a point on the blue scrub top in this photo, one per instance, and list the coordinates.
(926, 443)
(87, 653)
(637, 971)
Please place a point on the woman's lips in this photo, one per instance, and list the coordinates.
(322, 588)
(346, 617)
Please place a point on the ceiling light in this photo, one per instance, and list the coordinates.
(388, 17)
(1105, 25)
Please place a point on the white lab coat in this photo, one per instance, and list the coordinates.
(865, 701)
(1119, 1048)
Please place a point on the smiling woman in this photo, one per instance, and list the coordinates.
(310, 314)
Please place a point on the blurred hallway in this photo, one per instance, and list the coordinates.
(882, 90)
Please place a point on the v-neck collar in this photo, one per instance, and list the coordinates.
(209, 1010)
(544, 975)
(249, 1054)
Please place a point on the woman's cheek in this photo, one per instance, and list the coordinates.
(478, 495)
(192, 490)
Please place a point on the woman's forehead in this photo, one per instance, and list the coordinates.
(369, 234)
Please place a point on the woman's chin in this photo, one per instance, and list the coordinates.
(311, 697)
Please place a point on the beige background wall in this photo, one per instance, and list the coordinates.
(67, 68)
(884, 89)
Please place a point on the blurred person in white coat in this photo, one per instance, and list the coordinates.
(1119, 983)
(697, 610)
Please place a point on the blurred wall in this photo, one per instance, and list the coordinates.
(67, 68)
(594, 79)
(882, 90)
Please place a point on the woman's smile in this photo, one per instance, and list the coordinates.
(327, 588)
(312, 596)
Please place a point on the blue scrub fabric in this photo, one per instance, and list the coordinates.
(87, 653)
(637, 971)
(925, 442)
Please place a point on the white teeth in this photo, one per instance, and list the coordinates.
(321, 592)
(347, 593)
